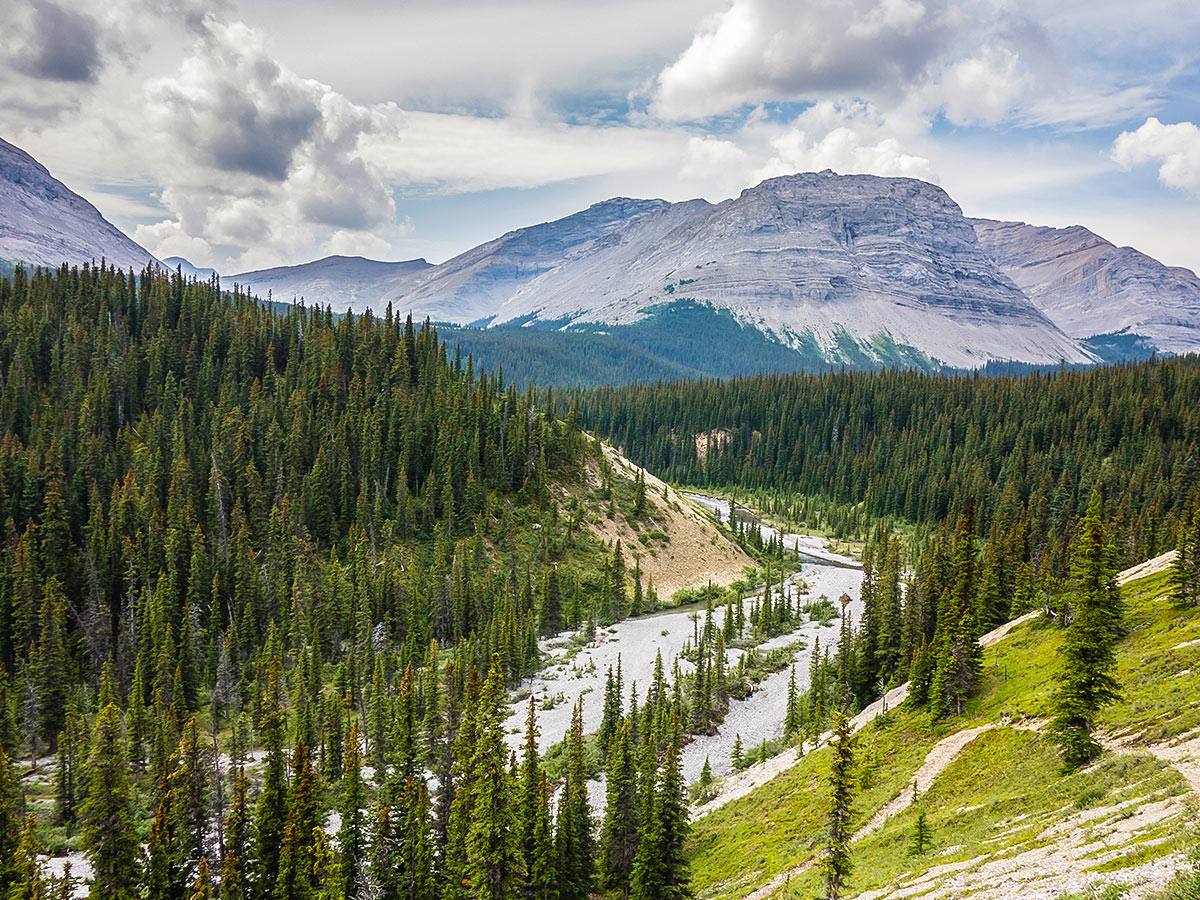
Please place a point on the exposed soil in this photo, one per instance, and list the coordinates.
(696, 552)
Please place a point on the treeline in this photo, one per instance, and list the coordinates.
(181, 470)
(265, 833)
(1026, 451)
(227, 528)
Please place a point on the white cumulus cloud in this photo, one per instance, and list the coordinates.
(759, 50)
(850, 138)
(1175, 148)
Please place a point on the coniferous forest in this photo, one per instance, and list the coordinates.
(314, 548)
(271, 578)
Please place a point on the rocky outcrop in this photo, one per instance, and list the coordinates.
(43, 222)
(1089, 286)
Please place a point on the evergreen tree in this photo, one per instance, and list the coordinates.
(10, 822)
(303, 824)
(573, 837)
(272, 810)
(1185, 568)
(236, 859)
(352, 838)
(494, 863)
(922, 835)
(108, 833)
(27, 881)
(1086, 680)
(835, 863)
(618, 841)
(660, 870)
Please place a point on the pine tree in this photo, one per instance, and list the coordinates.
(672, 813)
(1185, 568)
(236, 860)
(541, 875)
(27, 880)
(792, 717)
(660, 870)
(618, 841)
(50, 663)
(492, 850)
(352, 838)
(297, 848)
(108, 833)
(573, 838)
(10, 821)
(529, 794)
(272, 810)
(1086, 680)
(922, 835)
(706, 778)
(835, 863)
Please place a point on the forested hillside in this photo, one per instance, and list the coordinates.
(1025, 452)
(259, 568)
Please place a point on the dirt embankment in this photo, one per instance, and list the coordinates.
(694, 553)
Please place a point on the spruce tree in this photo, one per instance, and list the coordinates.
(541, 881)
(108, 833)
(494, 863)
(297, 847)
(922, 835)
(10, 821)
(835, 862)
(1086, 680)
(235, 862)
(27, 881)
(618, 835)
(1185, 568)
(352, 838)
(272, 810)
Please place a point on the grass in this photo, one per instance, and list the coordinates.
(780, 824)
(1005, 793)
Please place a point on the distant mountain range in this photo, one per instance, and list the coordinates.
(1090, 287)
(804, 271)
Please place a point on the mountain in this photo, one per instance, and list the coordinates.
(841, 267)
(43, 222)
(1090, 287)
(476, 285)
(341, 282)
(189, 271)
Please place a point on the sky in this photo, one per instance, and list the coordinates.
(250, 133)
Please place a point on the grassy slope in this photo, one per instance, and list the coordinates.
(1005, 789)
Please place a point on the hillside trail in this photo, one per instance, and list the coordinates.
(746, 781)
(1183, 754)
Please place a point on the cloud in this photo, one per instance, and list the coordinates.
(983, 88)
(356, 243)
(59, 45)
(850, 138)
(260, 163)
(761, 50)
(234, 107)
(463, 153)
(167, 238)
(1176, 148)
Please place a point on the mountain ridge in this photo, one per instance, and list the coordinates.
(1090, 286)
(825, 269)
(31, 199)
